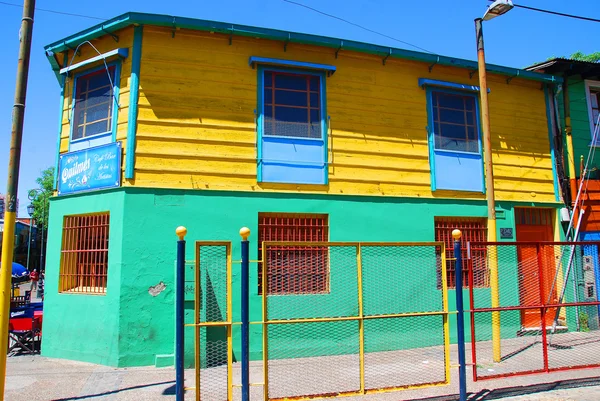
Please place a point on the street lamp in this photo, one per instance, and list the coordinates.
(497, 8)
(30, 210)
(33, 194)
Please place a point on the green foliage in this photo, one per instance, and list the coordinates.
(591, 58)
(580, 56)
(584, 322)
(41, 197)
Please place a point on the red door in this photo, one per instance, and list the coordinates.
(534, 224)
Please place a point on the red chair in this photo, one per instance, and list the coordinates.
(24, 331)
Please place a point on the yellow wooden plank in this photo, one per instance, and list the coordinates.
(195, 116)
(196, 132)
(197, 150)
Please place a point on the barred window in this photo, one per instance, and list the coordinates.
(84, 254)
(473, 230)
(294, 269)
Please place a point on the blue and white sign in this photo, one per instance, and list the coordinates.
(90, 169)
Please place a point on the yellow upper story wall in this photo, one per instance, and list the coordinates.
(196, 120)
(86, 52)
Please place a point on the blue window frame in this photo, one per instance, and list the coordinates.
(454, 141)
(95, 107)
(292, 126)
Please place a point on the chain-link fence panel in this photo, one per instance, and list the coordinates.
(212, 321)
(545, 315)
(404, 352)
(354, 318)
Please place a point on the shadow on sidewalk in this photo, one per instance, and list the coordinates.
(520, 390)
(86, 397)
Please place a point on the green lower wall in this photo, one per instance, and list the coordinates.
(84, 327)
(130, 326)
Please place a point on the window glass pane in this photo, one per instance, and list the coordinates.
(471, 134)
(470, 118)
(452, 116)
(268, 112)
(314, 100)
(96, 113)
(291, 114)
(289, 81)
(100, 127)
(594, 99)
(268, 78)
(451, 101)
(288, 98)
(315, 83)
(315, 116)
(78, 133)
(268, 98)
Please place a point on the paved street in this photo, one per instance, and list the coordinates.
(35, 378)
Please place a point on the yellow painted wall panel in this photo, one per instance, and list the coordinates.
(196, 121)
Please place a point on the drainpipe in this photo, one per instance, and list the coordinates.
(570, 151)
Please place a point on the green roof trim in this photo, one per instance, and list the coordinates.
(128, 19)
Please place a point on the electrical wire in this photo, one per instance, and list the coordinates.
(54, 11)
(357, 25)
(557, 13)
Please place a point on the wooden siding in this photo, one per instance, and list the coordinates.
(103, 45)
(196, 120)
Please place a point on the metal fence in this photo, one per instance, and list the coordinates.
(353, 318)
(540, 310)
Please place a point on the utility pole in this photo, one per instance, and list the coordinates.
(14, 161)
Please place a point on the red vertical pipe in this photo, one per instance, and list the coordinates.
(540, 259)
(472, 313)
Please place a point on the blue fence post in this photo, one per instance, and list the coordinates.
(460, 317)
(179, 314)
(245, 233)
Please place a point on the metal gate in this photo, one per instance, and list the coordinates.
(337, 319)
(538, 311)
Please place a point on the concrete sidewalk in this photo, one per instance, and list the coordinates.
(35, 378)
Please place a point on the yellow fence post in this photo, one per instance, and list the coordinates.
(361, 321)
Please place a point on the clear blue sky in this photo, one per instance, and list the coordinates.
(517, 39)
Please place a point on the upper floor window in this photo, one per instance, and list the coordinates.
(455, 122)
(454, 140)
(291, 126)
(593, 100)
(94, 107)
(292, 105)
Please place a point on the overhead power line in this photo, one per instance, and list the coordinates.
(54, 11)
(556, 13)
(357, 25)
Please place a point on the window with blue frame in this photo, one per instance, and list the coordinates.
(455, 141)
(93, 111)
(455, 122)
(292, 127)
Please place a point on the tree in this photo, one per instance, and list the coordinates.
(591, 58)
(580, 56)
(41, 197)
